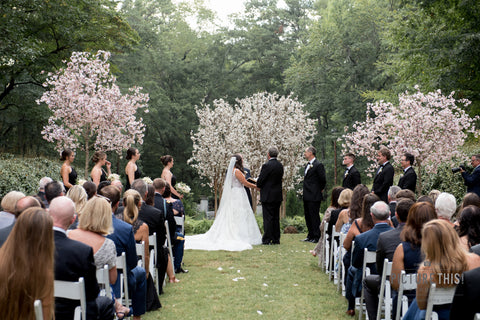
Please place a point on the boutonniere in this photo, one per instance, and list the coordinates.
(380, 170)
(346, 174)
(309, 166)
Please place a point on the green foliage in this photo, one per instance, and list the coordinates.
(193, 226)
(190, 205)
(23, 174)
(294, 206)
(298, 222)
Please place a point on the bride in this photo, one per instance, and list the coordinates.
(235, 227)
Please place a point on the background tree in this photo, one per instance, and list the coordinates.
(89, 111)
(430, 126)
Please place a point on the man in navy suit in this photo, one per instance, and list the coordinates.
(384, 175)
(472, 181)
(380, 212)
(73, 260)
(313, 184)
(351, 177)
(409, 178)
(270, 184)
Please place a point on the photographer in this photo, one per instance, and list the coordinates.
(472, 181)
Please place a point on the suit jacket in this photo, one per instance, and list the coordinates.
(124, 240)
(73, 260)
(472, 181)
(408, 180)
(314, 182)
(170, 216)
(465, 302)
(352, 179)
(367, 240)
(4, 233)
(383, 181)
(270, 181)
(387, 244)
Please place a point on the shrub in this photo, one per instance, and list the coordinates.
(23, 174)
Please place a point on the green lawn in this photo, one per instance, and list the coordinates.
(268, 282)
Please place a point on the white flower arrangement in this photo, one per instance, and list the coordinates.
(80, 182)
(182, 188)
(148, 180)
(113, 177)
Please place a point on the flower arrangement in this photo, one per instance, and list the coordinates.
(182, 188)
(148, 180)
(80, 182)
(113, 177)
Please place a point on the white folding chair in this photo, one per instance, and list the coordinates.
(122, 266)
(152, 240)
(368, 257)
(180, 222)
(73, 291)
(103, 280)
(343, 270)
(169, 245)
(438, 296)
(477, 316)
(334, 256)
(326, 249)
(37, 307)
(140, 252)
(385, 295)
(407, 282)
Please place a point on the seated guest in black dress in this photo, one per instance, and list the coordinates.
(131, 170)
(68, 173)
(98, 174)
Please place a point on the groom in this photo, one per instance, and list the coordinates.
(270, 183)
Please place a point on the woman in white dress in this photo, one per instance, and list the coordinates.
(235, 227)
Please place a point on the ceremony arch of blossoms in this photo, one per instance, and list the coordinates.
(433, 127)
(250, 127)
(88, 110)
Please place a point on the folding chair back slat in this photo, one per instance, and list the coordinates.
(122, 266)
(438, 296)
(140, 252)
(385, 295)
(152, 240)
(180, 222)
(103, 279)
(73, 291)
(169, 245)
(37, 307)
(407, 282)
(368, 257)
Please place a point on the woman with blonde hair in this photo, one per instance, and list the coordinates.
(94, 224)
(98, 174)
(79, 197)
(7, 216)
(26, 267)
(445, 261)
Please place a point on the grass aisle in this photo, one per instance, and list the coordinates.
(268, 282)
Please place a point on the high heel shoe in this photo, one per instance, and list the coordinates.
(173, 280)
(313, 253)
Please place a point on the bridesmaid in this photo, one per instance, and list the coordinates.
(68, 173)
(131, 169)
(168, 176)
(98, 174)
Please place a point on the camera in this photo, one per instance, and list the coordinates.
(460, 167)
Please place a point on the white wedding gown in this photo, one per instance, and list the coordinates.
(235, 227)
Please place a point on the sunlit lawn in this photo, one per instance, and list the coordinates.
(268, 282)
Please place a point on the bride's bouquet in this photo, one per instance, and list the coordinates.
(183, 188)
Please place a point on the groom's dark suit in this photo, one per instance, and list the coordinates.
(351, 178)
(408, 180)
(270, 183)
(383, 181)
(313, 185)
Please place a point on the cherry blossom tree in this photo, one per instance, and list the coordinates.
(89, 111)
(250, 127)
(430, 126)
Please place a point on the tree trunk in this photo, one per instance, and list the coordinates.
(283, 207)
(335, 160)
(87, 156)
(254, 193)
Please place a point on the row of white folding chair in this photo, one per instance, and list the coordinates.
(326, 250)
(37, 308)
(368, 257)
(73, 291)
(103, 279)
(122, 266)
(334, 250)
(343, 270)
(407, 282)
(385, 296)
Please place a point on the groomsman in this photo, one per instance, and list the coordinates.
(351, 177)
(384, 176)
(270, 183)
(313, 185)
(409, 178)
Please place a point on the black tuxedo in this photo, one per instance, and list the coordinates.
(351, 178)
(313, 184)
(408, 180)
(73, 260)
(465, 302)
(270, 183)
(383, 181)
(170, 216)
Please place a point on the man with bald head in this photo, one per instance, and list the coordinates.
(21, 205)
(73, 260)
